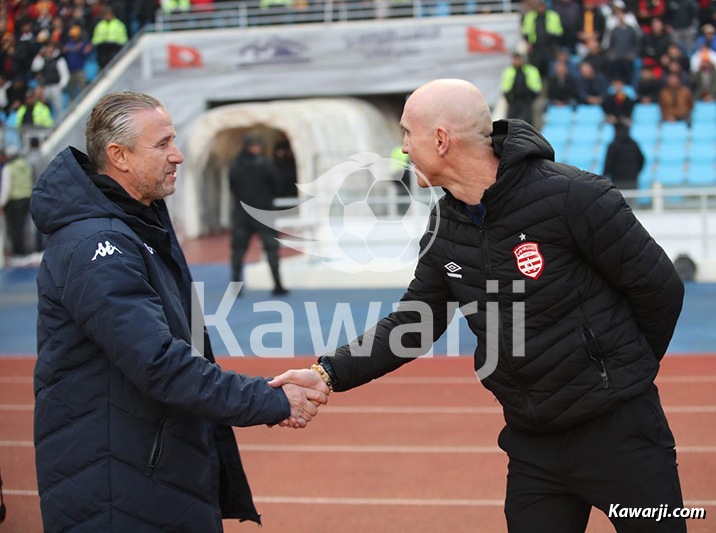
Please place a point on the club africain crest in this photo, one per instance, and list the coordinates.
(529, 259)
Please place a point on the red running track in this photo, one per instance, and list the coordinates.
(415, 451)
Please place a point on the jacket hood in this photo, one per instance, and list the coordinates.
(65, 194)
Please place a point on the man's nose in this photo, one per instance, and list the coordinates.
(176, 157)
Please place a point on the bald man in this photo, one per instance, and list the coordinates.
(575, 371)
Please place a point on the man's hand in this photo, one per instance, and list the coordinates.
(305, 378)
(304, 405)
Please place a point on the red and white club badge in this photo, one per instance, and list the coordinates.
(529, 259)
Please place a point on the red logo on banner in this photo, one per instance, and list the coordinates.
(529, 259)
(184, 57)
(485, 42)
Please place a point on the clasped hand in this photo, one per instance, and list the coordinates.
(306, 391)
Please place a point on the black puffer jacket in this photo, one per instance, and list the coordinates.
(601, 297)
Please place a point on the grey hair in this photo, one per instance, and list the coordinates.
(113, 120)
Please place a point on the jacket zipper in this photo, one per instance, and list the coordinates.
(590, 340)
(502, 346)
(156, 445)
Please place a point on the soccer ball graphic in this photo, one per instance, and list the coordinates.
(374, 230)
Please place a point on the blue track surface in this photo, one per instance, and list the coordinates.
(18, 314)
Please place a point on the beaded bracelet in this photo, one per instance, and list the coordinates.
(324, 376)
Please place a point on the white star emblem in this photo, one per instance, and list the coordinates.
(522, 236)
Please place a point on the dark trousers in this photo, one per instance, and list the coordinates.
(240, 238)
(16, 212)
(622, 69)
(521, 109)
(623, 457)
(105, 53)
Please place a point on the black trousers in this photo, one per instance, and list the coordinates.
(521, 109)
(16, 213)
(623, 457)
(240, 238)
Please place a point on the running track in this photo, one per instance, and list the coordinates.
(415, 451)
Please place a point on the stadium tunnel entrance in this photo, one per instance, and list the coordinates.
(321, 132)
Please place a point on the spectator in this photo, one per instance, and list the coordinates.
(521, 84)
(675, 100)
(591, 86)
(624, 159)
(707, 12)
(570, 17)
(704, 82)
(54, 75)
(623, 49)
(703, 54)
(45, 15)
(563, 56)
(109, 37)
(612, 21)
(5, 85)
(25, 50)
(675, 68)
(655, 44)
(146, 12)
(7, 55)
(675, 53)
(562, 86)
(542, 30)
(286, 165)
(592, 23)
(649, 87)
(76, 52)
(58, 34)
(680, 16)
(80, 18)
(649, 10)
(170, 6)
(597, 58)
(708, 38)
(15, 192)
(34, 112)
(17, 91)
(43, 8)
(618, 106)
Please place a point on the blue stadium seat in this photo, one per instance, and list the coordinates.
(559, 116)
(704, 113)
(607, 133)
(649, 151)
(559, 151)
(644, 134)
(670, 174)
(702, 152)
(586, 136)
(555, 134)
(589, 115)
(704, 132)
(673, 153)
(701, 175)
(646, 177)
(439, 9)
(674, 131)
(646, 114)
(581, 159)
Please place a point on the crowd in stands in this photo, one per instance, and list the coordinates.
(614, 54)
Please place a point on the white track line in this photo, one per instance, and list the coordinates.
(349, 448)
(394, 502)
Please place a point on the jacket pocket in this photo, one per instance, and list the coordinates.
(156, 450)
(595, 353)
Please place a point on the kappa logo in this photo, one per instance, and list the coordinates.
(452, 268)
(105, 249)
(529, 259)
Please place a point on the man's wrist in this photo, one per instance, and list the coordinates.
(325, 363)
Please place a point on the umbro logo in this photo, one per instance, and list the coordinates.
(105, 249)
(149, 248)
(452, 268)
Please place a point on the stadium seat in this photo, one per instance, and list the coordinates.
(439, 9)
(559, 116)
(555, 134)
(702, 152)
(581, 159)
(607, 133)
(646, 177)
(674, 131)
(644, 134)
(673, 153)
(589, 115)
(704, 132)
(670, 174)
(704, 113)
(649, 151)
(586, 136)
(701, 175)
(646, 114)
(560, 150)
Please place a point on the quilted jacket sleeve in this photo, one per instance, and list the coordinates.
(617, 246)
(111, 298)
(422, 317)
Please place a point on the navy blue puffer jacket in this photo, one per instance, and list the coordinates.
(131, 428)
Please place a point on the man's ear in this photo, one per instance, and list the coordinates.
(117, 156)
(442, 140)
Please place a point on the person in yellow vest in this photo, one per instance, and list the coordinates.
(15, 190)
(276, 7)
(401, 174)
(521, 84)
(171, 6)
(542, 29)
(34, 112)
(110, 35)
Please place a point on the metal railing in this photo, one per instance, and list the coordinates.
(257, 13)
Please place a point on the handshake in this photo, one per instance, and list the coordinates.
(305, 389)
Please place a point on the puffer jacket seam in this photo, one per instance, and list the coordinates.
(182, 491)
(138, 520)
(73, 526)
(75, 474)
(63, 428)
